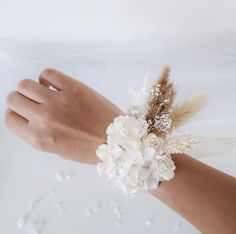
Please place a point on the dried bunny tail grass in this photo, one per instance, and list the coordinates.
(187, 110)
(161, 97)
(179, 143)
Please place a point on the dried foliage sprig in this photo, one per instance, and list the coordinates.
(161, 98)
(187, 110)
(179, 143)
(162, 116)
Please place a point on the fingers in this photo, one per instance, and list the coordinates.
(56, 79)
(22, 105)
(16, 123)
(20, 127)
(33, 90)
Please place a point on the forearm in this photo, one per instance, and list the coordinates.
(202, 195)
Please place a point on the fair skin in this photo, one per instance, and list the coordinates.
(71, 120)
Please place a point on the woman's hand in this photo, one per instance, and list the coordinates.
(70, 121)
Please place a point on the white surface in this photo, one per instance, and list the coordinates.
(109, 45)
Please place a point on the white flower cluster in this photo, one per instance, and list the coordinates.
(133, 159)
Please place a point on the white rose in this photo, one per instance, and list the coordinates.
(132, 159)
(163, 168)
(151, 140)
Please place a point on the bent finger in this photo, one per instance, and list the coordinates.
(16, 123)
(34, 90)
(22, 105)
(57, 80)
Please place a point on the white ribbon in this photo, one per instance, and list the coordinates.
(213, 146)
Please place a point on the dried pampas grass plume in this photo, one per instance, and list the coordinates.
(162, 116)
(159, 105)
(187, 110)
(162, 95)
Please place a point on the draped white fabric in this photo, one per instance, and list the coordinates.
(110, 45)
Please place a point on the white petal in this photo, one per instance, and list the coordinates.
(148, 153)
(151, 183)
(102, 152)
(132, 177)
(136, 157)
(101, 168)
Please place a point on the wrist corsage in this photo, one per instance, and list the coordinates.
(137, 154)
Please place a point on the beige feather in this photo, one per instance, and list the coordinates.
(187, 110)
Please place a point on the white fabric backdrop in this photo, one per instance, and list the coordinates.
(110, 45)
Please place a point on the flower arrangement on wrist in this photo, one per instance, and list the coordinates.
(137, 154)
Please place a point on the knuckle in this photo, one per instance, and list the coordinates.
(11, 97)
(43, 142)
(38, 141)
(24, 84)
